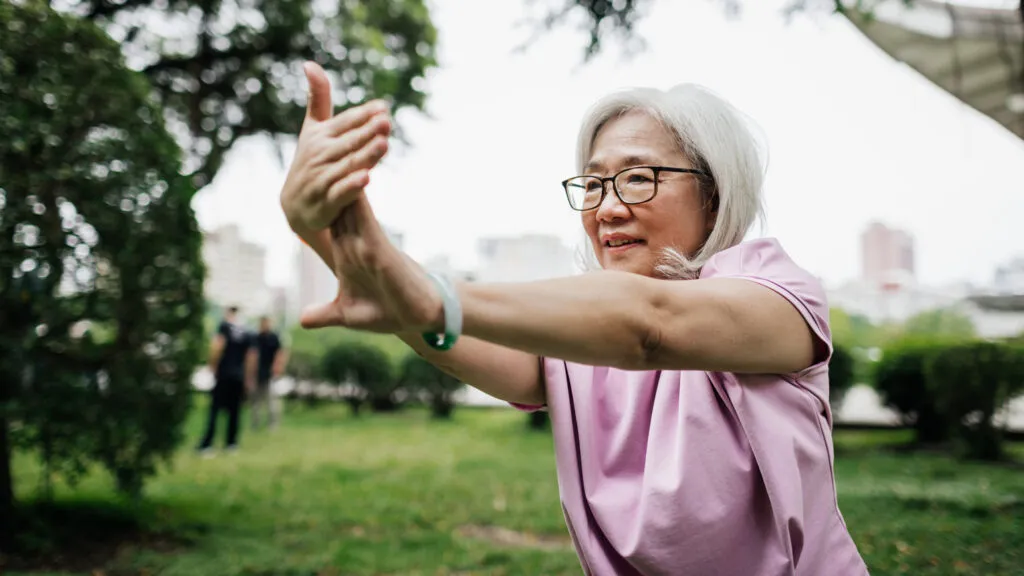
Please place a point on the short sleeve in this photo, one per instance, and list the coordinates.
(765, 262)
(224, 329)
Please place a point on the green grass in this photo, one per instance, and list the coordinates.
(329, 494)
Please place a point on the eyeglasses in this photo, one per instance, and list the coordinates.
(634, 185)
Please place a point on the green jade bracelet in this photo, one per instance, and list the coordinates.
(452, 316)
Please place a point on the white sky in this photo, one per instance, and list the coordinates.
(853, 137)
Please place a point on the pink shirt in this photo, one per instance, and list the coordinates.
(698, 473)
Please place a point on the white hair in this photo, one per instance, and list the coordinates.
(716, 138)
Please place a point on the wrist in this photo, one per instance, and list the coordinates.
(445, 314)
(436, 322)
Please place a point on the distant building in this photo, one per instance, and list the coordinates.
(894, 302)
(887, 290)
(235, 271)
(317, 283)
(524, 258)
(280, 311)
(442, 265)
(887, 255)
(998, 310)
(1009, 278)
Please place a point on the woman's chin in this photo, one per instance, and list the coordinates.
(634, 261)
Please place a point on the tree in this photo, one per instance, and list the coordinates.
(100, 271)
(610, 18)
(225, 70)
(854, 330)
(418, 374)
(942, 322)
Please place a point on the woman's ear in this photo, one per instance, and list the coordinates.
(709, 223)
(711, 214)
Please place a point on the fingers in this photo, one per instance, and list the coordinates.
(363, 157)
(355, 116)
(351, 174)
(344, 191)
(353, 140)
(319, 106)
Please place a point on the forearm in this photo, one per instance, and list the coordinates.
(601, 319)
(505, 373)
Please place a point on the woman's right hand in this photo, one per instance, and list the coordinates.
(333, 158)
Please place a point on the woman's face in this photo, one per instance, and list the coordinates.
(675, 218)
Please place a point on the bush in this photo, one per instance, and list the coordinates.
(951, 390)
(436, 386)
(900, 380)
(970, 382)
(370, 373)
(538, 420)
(305, 368)
(840, 375)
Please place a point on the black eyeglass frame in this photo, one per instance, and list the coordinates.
(604, 187)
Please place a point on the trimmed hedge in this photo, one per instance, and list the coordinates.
(950, 391)
(840, 375)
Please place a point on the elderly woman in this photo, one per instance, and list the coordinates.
(686, 376)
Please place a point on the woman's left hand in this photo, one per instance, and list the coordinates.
(380, 288)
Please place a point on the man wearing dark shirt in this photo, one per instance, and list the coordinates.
(228, 355)
(270, 360)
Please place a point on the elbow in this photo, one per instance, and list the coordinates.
(663, 333)
(646, 348)
(645, 330)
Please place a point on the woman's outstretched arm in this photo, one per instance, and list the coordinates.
(506, 373)
(634, 322)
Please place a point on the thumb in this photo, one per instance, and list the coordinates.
(319, 106)
(322, 316)
(358, 314)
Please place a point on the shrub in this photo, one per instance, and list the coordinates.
(899, 377)
(840, 375)
(970, 382)
(538, 420)
(370, 372)
(436, 386)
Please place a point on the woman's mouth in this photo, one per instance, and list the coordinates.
(621, 245)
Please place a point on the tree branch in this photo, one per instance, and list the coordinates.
(102, 8)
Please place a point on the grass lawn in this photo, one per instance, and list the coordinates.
(329, 494)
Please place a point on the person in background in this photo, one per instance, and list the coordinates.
(269, 357)
(228, 354)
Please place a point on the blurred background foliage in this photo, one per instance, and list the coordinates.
(100, 268)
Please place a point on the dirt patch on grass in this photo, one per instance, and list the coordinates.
(506, 538)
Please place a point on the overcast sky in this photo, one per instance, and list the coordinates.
(853, 137)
